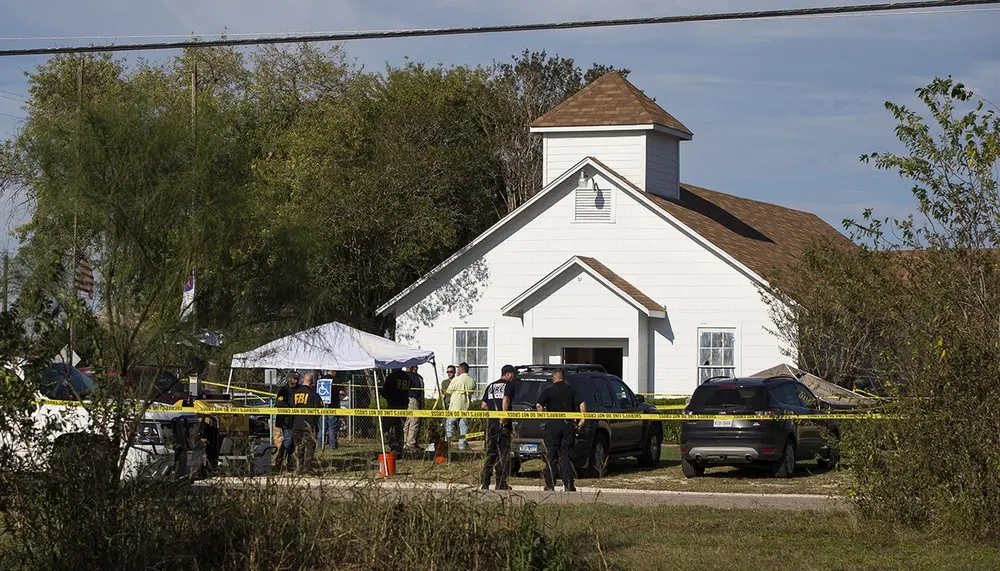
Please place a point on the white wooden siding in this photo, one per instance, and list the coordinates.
(697, 287)
(623, 151)
(663, 165)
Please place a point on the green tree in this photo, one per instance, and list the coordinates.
(921, 300)
(521, 91)
(387, 181)
(122, 174)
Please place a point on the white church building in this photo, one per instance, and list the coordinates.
(614, 261)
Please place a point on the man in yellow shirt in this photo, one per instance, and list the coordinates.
(459, 389)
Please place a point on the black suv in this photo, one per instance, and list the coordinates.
(776, 444)
(599, 440)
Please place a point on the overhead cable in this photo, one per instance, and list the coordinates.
(923, 12)
(413, 33)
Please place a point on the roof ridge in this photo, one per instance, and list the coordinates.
(566, 101)
(610, 100)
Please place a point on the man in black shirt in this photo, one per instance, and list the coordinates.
(284, 422)
(560, 435)
(411, 428)
(498, 396)
(305, 428)
(396, 391)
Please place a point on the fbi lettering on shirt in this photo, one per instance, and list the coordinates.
(301, 398)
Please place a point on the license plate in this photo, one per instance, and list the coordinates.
(719, 423)
(528, 448)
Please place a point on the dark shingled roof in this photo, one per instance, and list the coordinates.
(608, 101)
(762, 236)
(622, 284)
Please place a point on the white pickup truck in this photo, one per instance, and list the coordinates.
(72, 428)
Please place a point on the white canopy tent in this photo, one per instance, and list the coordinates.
(333, 346)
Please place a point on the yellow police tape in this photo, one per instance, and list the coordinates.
(264, 393)
(226, 409)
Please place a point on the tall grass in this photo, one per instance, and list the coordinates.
(52, 525)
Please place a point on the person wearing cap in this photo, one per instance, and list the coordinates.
(498, 396)
(284, 423)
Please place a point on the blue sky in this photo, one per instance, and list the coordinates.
(780, 109)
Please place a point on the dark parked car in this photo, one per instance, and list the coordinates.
(775, 444)
(599, 440)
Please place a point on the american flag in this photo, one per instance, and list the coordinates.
(187, 298)
(83, 277)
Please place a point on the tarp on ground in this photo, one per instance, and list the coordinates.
(830, 393)
(333, 346)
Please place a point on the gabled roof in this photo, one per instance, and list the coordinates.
(753, 236)
(610, 100)
(599, 272)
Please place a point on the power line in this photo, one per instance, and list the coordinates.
(922, 12)
(13, 116)
(23, 98)
(412, 33)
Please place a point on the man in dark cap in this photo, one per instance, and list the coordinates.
(498, 397)
(284, 422)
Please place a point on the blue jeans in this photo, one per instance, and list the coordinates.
(463, 428)
(287, 440)
(332, 428)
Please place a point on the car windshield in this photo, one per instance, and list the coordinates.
(527, 390)
(55, 385)
(726, 397)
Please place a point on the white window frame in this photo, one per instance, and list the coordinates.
(716, 369)
(474, 367)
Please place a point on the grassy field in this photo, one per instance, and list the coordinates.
(705, 538)
(359, 460)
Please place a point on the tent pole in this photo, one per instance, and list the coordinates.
(381, 434)
(437, 381)
(229, 383)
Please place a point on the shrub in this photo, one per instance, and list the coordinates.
(155, 525)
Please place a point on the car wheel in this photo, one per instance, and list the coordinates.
(651, 451)
(785, 467)
(599, 456)
(691, 469)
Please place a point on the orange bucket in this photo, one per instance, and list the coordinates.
(386, 464)
(441, 451)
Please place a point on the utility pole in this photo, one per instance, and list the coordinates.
(74, 262)
(6, 263)
(196, 389)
